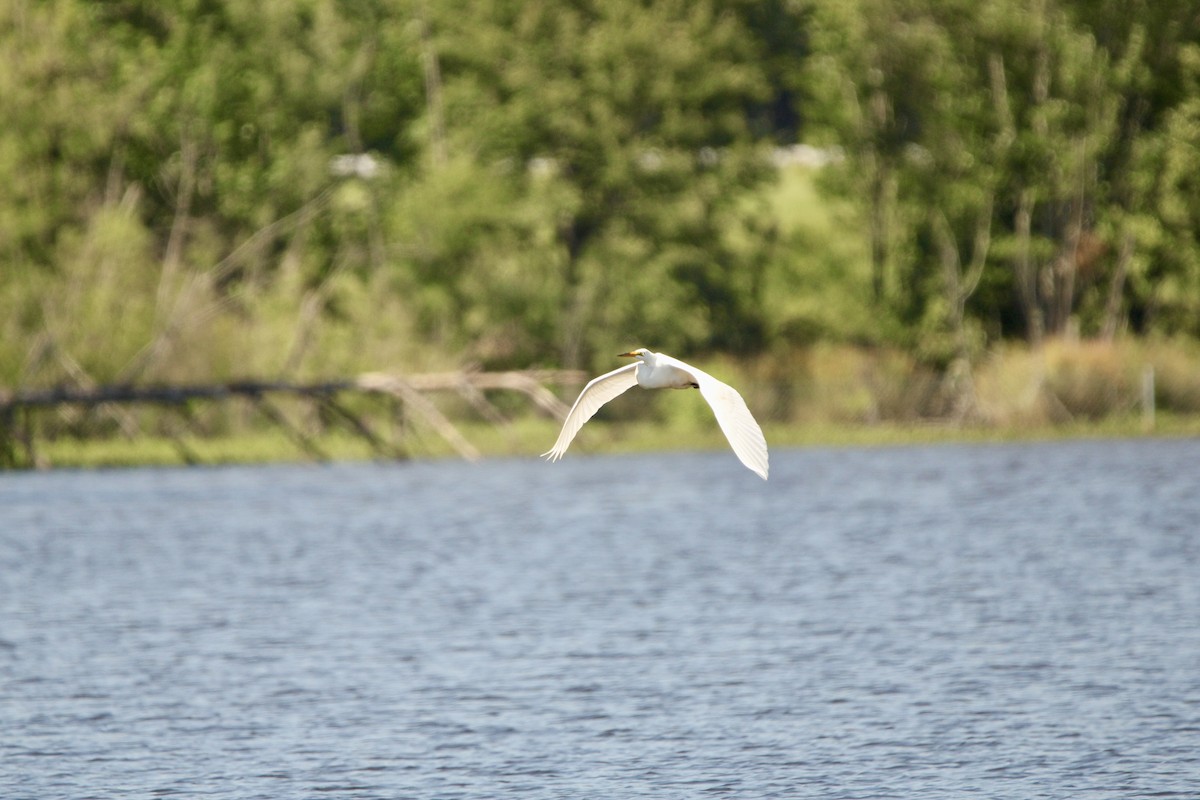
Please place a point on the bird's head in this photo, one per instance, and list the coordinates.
(641, 353)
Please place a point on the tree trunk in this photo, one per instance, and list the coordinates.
(1027, 290)
(432, 74)
(959, 285)
(1116, 286)
(880, 194)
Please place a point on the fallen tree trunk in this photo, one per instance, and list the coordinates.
(17, 409)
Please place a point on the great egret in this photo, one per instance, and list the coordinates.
(659, 371)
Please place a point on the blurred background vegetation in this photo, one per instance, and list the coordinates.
(865, 209)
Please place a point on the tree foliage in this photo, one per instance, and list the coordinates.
(208, 187)
(1018, 160)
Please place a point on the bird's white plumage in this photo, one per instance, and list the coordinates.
(598, 392)
(659, 371)
(736, 421)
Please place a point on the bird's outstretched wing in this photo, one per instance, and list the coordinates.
(736, 421)
(598, 392)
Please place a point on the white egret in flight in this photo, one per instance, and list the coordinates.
(658, 371)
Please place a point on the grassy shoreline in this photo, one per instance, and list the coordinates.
(820, 396)
(527, 438)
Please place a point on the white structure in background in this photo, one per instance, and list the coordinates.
(805, 155)
(355, 165)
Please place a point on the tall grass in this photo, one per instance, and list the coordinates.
(1014, 386)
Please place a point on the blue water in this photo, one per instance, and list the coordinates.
(1017, 621)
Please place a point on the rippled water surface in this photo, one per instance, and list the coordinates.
(946, 622)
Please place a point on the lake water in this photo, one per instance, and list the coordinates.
(1016, 621)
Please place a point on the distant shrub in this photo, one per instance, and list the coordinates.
(1176, 375)
(1091, 379)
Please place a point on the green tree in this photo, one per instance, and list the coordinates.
(154, 150)
(629, 121)
(1170, 294)
(72, 245)
(1149, 278)
(1016, 149)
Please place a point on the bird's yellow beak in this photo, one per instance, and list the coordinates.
(627, 355)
